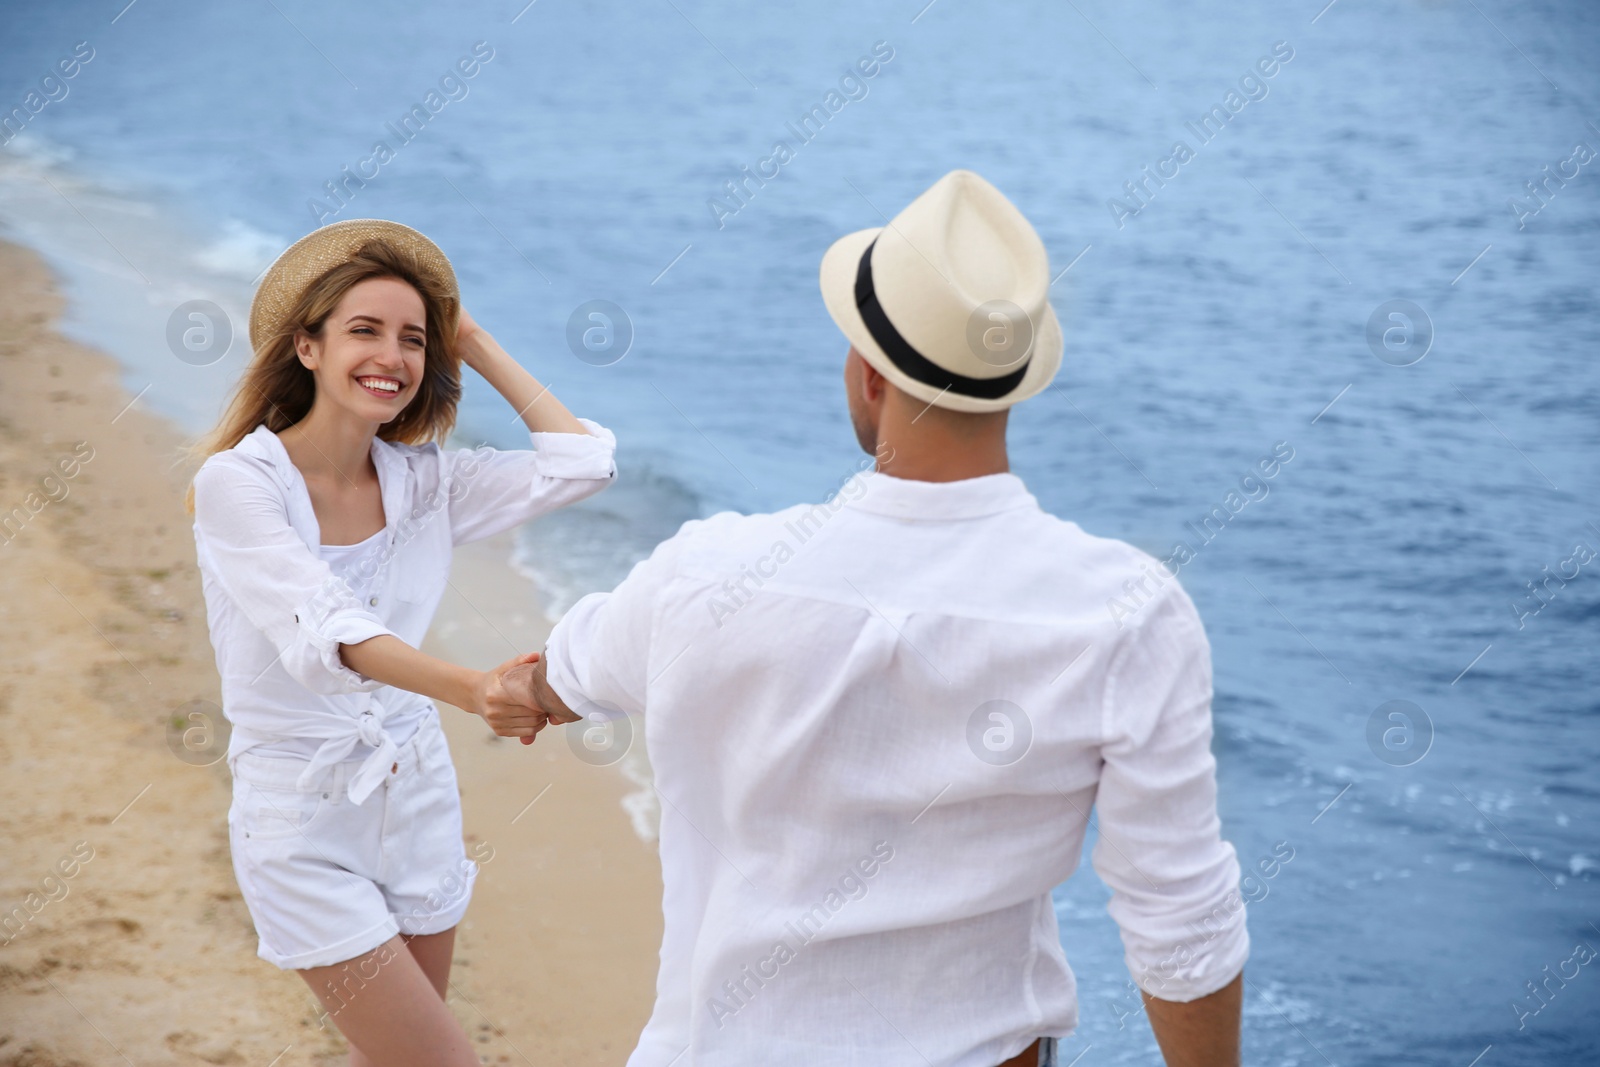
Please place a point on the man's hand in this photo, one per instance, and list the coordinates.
(506, 707)
(527, 684)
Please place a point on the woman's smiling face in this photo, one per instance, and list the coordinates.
(369, 357)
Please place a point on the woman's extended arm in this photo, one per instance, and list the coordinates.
(389, 660)
(537, 406)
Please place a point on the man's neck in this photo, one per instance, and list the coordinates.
(944, 466)
(923, 444)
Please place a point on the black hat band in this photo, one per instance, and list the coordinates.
(914, 363)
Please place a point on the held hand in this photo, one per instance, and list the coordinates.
(506, 707)
(528, 684)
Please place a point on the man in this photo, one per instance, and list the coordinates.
(878, 725)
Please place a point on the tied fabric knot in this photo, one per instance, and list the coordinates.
(366, 728)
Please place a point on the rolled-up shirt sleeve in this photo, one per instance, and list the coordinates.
(281, 586)
(1174, 881)
(604, 649)
(494, 490)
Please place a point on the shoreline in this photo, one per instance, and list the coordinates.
(144, 951)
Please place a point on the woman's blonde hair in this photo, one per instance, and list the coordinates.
(278, 390)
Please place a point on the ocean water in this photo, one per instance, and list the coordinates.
(1225, 312)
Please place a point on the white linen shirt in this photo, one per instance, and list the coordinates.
(362, 574)
(278, 613)
(878, 726)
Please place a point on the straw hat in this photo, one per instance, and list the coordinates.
(320, 251)
(950, 301)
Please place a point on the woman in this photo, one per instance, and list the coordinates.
(325, 516)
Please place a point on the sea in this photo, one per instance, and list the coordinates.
(1354, 244)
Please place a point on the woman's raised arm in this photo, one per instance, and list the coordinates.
(534, 403)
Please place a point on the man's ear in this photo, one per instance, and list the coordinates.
(873, 383)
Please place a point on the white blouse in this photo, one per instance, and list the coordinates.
(278, 612)
(361, 573)
(878, 726)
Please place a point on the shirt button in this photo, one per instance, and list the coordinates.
(373, 602)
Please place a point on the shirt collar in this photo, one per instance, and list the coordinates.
(968, 498)
(262, 444)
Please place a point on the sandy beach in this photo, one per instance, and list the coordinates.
(126, 940)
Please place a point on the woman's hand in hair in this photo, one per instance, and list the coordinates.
(541, 412)
(467, 330)
(477, 348)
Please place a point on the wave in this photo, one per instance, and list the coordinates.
(592, 545)
(128, 263)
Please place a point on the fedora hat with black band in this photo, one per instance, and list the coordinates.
(950, 300)
(319, 251)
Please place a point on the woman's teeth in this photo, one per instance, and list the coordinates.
(382, 386)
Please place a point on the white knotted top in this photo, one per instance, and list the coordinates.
(278, 613)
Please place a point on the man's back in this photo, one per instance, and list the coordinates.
(878, 727)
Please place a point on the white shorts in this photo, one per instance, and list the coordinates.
(327, 880)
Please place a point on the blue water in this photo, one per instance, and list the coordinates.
(1223, 317)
